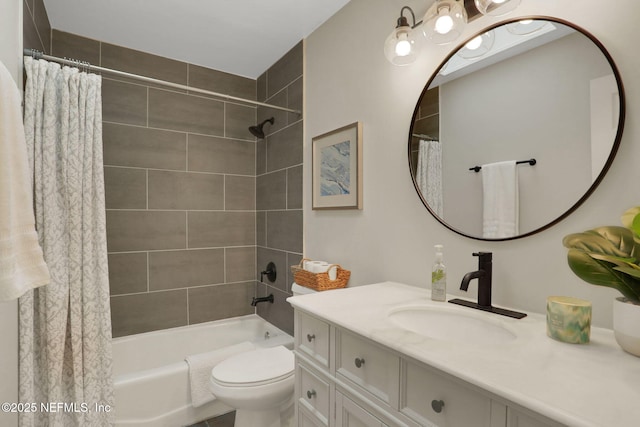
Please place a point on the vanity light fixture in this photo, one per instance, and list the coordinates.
(477, 46)
(496, 7)
(444, 21)
(525, 26)
(402, 45)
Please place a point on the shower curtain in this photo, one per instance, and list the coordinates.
(429, 174)
(65, 327)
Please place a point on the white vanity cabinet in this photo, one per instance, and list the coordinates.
(346, 380)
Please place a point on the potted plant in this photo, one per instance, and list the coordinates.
(610, 256)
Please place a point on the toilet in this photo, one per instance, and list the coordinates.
(259, 384)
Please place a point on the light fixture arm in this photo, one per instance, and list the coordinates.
(402, 20)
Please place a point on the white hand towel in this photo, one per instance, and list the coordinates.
(501, 210)
(200, 366)
(22, 265)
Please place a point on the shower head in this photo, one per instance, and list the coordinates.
(257, 130)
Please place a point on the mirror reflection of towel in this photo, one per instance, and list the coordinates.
(500, 200)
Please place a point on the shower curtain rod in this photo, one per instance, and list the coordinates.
(87, 66)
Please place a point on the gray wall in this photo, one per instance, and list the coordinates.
(279, 183)
(533, 105)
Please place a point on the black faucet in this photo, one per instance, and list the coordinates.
(485, 265)
(256, 300)
(483, 274)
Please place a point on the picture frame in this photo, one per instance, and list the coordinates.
(337, 168)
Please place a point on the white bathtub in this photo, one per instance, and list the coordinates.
(152, 378)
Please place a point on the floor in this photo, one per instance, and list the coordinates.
(225, 420)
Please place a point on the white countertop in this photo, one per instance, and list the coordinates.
(595, 384)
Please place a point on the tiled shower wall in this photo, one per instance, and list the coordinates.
(188, 233)
(279, 183)
(180, 190)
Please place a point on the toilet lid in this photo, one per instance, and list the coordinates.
(256, 366)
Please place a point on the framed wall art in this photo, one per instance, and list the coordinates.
(337, 168)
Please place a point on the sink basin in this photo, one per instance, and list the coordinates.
(448, 324)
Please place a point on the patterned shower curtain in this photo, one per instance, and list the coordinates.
(65, 327)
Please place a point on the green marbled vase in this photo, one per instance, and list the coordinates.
(569, 319)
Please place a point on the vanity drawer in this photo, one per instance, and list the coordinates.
(312, 338)
(371, 367)
(432, 399)
(313, 393)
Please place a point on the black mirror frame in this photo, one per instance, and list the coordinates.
(596, 182)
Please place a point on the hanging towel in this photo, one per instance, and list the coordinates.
(200, 366)
(429, 174)
(500, 200)
(22, 265)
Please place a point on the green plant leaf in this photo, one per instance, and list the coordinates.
(615, 260)
(631, 270)
(629, 215)
(601, 273)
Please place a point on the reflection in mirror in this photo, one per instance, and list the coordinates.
(537, 89)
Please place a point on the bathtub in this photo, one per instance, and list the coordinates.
(152, 378)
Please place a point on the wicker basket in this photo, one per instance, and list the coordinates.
(320, 281)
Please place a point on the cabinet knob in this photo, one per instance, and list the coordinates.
(437, 405)
(311, 393)
(311, 337)
(359, 362)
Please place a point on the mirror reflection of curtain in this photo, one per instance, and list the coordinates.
(429, 174)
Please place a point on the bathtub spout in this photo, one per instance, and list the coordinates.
(255, 301)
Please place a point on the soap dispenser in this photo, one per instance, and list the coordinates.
(439, 277)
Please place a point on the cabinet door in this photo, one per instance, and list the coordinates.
(313, 393)
(312, 338)
(349, 414)
(433, 399)
(371, 367)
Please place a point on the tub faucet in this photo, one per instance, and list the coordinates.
(483, 274)
(256, 300)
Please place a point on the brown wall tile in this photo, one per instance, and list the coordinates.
(125, 188)
(185, 190)
(261, 156)
(280, 313)
(284, 148)
(220, 302)
(135, 146)
(271, 191)
(294, 187)
(219, 229)
(285, 70)
(279, 258)
(284, 230)
(221, 82)
(181, 269)
(134, 314)
(261, 228)
(240, 193)
(292, 259)
(144, 64)
(43, 25)
(261, 87)
(128, 273)
(145, 230)
(238, 118)
(30, 37)
(124, 103)
(177, 111)
(219, 155)
(295, 100)
(76, 47)
(240, 264)
(279, 116)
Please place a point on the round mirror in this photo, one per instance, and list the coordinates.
(516, 129)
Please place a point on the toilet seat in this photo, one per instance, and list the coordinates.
(255, 368)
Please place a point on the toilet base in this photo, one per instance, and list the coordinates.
(264, 418)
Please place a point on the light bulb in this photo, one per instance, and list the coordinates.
(403, 48)
(444, 23)
(526, 21)
(474, 43)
